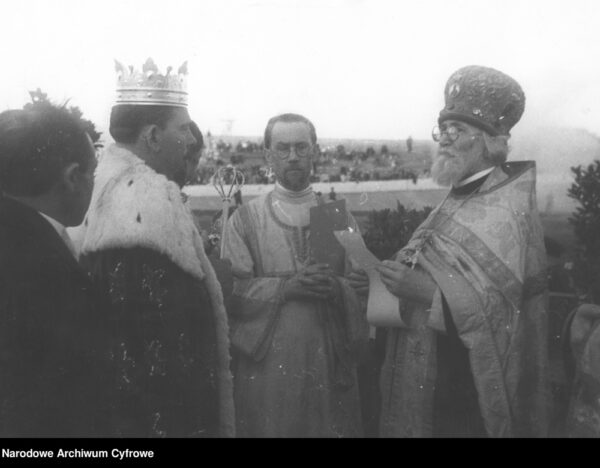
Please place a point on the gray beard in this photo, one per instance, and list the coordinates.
(447, 171)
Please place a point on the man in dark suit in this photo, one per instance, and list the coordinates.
(51, 331)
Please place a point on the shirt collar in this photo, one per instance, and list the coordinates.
(477, 175)
(62, 232)
(286, 193)
(55, 224)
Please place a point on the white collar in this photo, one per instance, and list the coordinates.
(477, 175)
(62, 232)
(287, 193)
(55, 224)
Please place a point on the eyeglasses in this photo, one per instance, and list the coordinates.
(284, 150)
(451, 132)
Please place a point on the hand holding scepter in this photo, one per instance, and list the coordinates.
(226, 190)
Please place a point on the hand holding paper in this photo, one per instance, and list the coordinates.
(403, 281)
(382, 307)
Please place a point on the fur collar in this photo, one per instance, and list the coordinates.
(133, 206)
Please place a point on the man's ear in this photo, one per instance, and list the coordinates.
(71, 175)
(151, 137)
(268, 157)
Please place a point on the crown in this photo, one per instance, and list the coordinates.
(149, 87)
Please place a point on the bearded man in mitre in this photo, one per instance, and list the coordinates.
(472, 361)
(140, 243)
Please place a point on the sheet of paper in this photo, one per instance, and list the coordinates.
(383, 307)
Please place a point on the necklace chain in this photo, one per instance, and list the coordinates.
(411, 255)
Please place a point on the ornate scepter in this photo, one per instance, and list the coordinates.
(234, 178)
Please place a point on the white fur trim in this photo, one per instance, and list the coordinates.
(133, 206)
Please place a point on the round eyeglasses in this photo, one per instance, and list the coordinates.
(451, 132)
(284, 151)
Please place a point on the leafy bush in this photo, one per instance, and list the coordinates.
(586, 223)
(387, 231)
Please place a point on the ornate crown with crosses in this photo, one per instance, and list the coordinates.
(150, 87)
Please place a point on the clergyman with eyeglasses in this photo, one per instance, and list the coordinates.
(472, 361)
(294, 323)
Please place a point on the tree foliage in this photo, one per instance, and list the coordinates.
(40, 99)
(389, 230)
(586, 223)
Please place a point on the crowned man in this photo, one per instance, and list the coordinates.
(140, 243)
(296, 327)
(472, 282)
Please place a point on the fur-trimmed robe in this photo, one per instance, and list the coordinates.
(170, 324)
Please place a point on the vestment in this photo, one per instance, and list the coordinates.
(486, 254)
(294, 361)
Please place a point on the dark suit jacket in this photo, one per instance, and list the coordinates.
(53, 354)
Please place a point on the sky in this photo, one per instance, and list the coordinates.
(356, 68)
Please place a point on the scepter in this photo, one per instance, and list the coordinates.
(235, 185)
